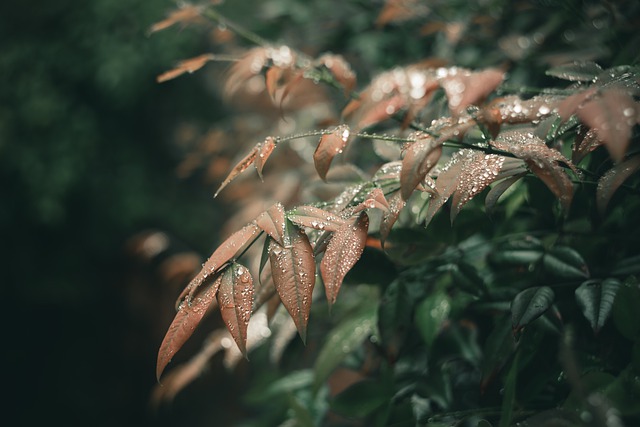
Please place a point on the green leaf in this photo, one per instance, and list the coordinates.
(565, 262)
(431, 314)
(596, 299)
(625, 309)
(498, 347)
(577, 71)
(291, 382)
(529, 304)
(627, 266)
(509, 398)
(394, 317)
(361, 399)
(518, 252)
(466, 277)
(342, 340)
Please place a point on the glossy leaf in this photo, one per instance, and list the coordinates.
(465, 88)
(419, 158)
(341, 71)
(330, 145)
(609, 183)
(240, 167)
(235, 299)
(518, 252)
(530, 304)
(577, 71)
(316, 218)
(446, 184)
(233, 245)
(596, 299)
(346, 337)
(431, 314)
(396, 204)
(293, 270)
(185, 322)
(343, 251)
(374, 200)
(264, 150)
(565, 262)
(272, 221)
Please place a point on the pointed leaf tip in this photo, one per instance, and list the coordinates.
(235, 298)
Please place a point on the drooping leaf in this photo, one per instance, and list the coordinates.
(330, 145)
(272, 79)
(185, 14)
(464, 87)
(233, 245)
(293, 270)
(235, 299)
(419, 158)
(396, 204)
(189, 315)
(584, 143)
(565, 262)
(478, 171)
(316, 218)
(596, 298)
(264, 151)
(240, 167)
(431, 314)
(498, 190)
(446, 184)
(347, 336)
(374, 200)
(251, 64)
(530, 304)
(186, 66)
(343, 251)
(272, 221)
(541, 160)
(341, 71)
(609, 183)
(611, 115)
(573, 103)
(577, 71)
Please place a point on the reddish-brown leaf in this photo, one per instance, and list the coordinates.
(419, 158)
(611, 115)
(514, 110)
(265, 149)
(571, 104)
(343, 251)
(316, 218)
(464, 88)
(613, 179)
(187, 66)
(293, 270)
(233, 245)
(240, 167)
(584, 143)
(478, 171)
(376, 200)
(272, 79)
(341, 71)
(330, 145)
(396, 204)
(251, 64)
(446, 183)
(541, 160)
(186, 14)
(401, 10)
(189, 315)
(235, 298)
(272, 221)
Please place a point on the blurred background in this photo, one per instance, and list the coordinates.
(88, 166)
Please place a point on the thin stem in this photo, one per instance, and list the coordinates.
(239, 30)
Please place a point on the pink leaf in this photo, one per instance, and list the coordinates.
(329, 146)
(240, 167)
(316, 218)
(235, 298)
(419, 158)
(273, 223)
(264, 150)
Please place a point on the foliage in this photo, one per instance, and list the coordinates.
(443, 310)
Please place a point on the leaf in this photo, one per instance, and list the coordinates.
(340, 70)
(330, 145)
(272, 221)
(464, 88)
(498, 190)
(347, 336)
(272, 78)
(446, 184)
(530, 304)
(574, 102)
(466, 278)
(419, 158)
(518, 252)
(595, 298)
(583, 144)
(186, 66)
(344, 250)
(431, 315)
(374, 200)
(240, 167)
(394, 318)
(361, 399)
(509, 399)
(611, 115)
(565, 262)
(184, 323)
(541, 160)
(396, 204)
(235, 298)
(625, 310)
(264, 150)
(316, 218)
(478, 171)
(225, 252)
(251, 64)
(609, 183)
(577, 71)
(186, 14)
(293, 270)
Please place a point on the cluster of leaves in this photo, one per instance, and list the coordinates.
(461, 327)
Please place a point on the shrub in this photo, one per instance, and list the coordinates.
(469, 215)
